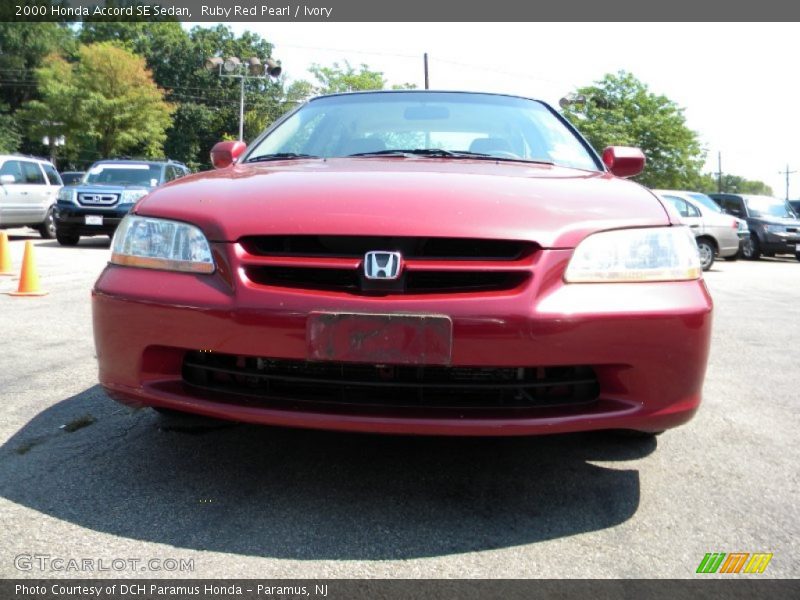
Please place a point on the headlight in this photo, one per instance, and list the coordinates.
(653, 254)
(161, 244)
(774, 228)
(66, 194)
(131, 196)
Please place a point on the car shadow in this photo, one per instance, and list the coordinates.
(309, 495)
(100, 242)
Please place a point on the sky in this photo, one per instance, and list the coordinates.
(737, 82)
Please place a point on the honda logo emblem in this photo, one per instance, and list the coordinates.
(382, 265)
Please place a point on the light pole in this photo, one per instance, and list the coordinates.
(251, 68)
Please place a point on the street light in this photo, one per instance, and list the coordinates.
(250, 68)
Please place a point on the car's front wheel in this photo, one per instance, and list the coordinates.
(67, 239)
(48, 227)
(751, 249)
(706, 249)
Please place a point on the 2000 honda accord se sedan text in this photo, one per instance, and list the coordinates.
(409, 262)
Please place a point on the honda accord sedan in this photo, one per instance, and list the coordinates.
(409, 262)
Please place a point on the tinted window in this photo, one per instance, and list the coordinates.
(33, 174)
(173, 172)
(70, 178)
(705, 201)
(766, 206)
(499, 126)
(13, 167)
(733, 206)
(692, 210)
(680, 205)
(52, 175)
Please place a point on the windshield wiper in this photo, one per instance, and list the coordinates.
(417, 152)
(279, 156)
(440, 152)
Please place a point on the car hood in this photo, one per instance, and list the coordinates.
(786, 222)
(552, 206)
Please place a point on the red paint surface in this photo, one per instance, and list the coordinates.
(647, 342)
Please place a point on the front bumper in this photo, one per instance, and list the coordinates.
(647, 343)
(72, 219)
(780, 243)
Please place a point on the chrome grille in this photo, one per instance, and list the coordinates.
(97, 199)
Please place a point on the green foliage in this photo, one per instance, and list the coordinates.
(620, 110)
(10, 138)
(207, 104)
(23, 47)
(733, 184)
(107, 99)
(43, 64)
(336, 79)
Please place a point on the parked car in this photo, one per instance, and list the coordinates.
(72, 177)
(716, 233)
(28, 190)
(774, 227)
(97, 204)
(409, 262)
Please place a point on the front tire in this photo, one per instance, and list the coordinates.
(706, 249)
(751, 249)
(67, 239)
(48, 227)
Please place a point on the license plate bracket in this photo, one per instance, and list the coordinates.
(400, 339)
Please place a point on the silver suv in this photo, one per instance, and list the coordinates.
(28, 190)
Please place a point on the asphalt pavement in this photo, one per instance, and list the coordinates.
(84, 478)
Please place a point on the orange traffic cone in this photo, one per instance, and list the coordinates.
(29, 277)
(5, 255)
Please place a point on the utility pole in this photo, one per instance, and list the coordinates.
(787, 172)
(252, 68)
(425, 59)
(719, 172)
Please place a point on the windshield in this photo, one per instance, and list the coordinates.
(500, 127)
(765, 206)
(705, 201)
(124, 174)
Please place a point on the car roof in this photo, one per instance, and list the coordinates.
(24, 157)
(421, 92)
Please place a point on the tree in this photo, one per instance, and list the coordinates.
(207, 105)
(9, 136)
(107, 100)
(23, 48)
(336, 79)
(733, 184)
(56, 113)
(621, 110)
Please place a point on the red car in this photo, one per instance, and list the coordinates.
(409, 262)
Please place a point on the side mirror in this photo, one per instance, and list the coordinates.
(224, 154)
(624, 161)
(4, 179)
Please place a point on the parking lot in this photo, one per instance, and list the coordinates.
(83, 477)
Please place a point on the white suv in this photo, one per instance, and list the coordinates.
(28, 190)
